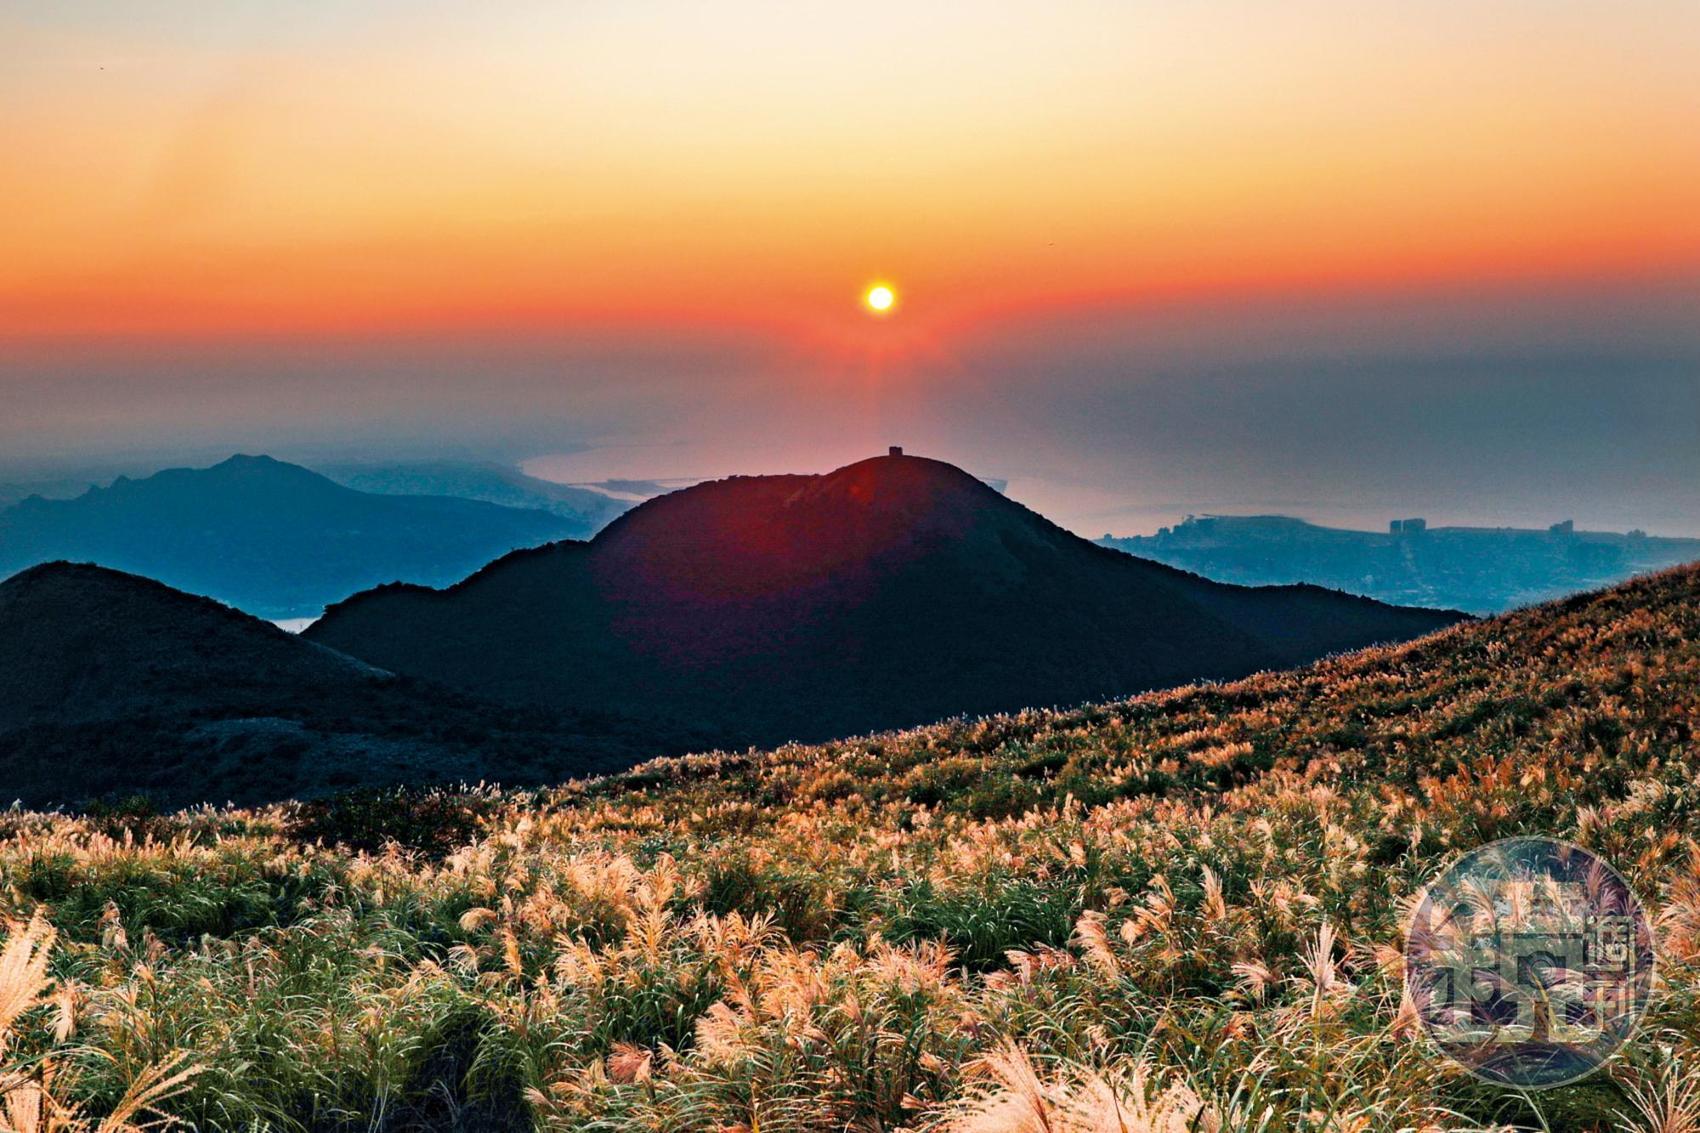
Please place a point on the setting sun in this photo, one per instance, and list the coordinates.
(880, 298)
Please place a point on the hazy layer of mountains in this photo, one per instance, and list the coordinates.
(891, 592)
(272, 538)
(111, 684)
(1482, 570)
(750, 610)
(584, 510)
(283, 542)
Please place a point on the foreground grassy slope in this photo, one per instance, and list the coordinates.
(1180, 911)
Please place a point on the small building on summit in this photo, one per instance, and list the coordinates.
(895, 450)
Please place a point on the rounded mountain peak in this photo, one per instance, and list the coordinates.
(765, 535)
(900, 480)
(855, 509)
(262, 466)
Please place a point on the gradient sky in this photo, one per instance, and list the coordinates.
(1153, 256)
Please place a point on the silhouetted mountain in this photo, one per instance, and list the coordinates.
(111, 683)
(54, 488)
(269, 537)
(585, 511)
(1484, 570)
(890, 592)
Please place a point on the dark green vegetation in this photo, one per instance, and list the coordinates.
(888, 593)
(1484, 570)
(1182, 911)
(113, 685)
(268, 537)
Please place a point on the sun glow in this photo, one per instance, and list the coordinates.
(880, 298)
(310, 172)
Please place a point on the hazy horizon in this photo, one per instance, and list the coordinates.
(1347, 261)
(1522, 406)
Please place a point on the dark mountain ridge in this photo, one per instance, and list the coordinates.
(80, 643)
(272, 538)
(112, 683)
(890, 592)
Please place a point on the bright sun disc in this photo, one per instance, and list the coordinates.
(880, 298)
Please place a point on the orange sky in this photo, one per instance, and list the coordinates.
(233, 167)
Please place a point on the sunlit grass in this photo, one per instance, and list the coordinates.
(1177, 912)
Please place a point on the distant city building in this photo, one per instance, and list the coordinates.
(1482, 570)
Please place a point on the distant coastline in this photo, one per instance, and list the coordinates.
(1482, 570)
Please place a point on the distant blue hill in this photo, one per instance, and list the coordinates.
(1482, 570)
(585, 510)
(271, 538)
